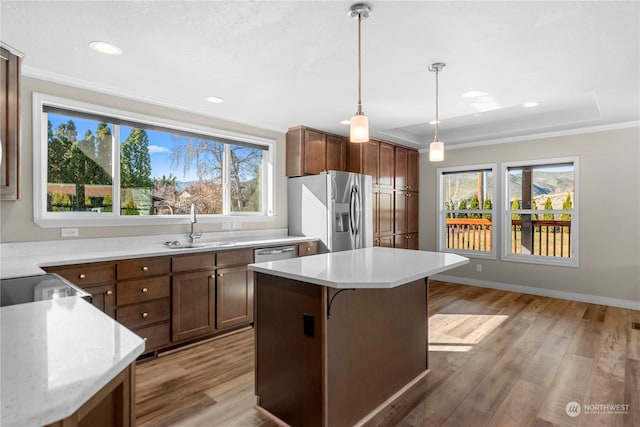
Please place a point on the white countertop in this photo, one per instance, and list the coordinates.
(367, 268)
(25, 259)
(55, 355)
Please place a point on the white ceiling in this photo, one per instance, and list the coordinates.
(282, 64)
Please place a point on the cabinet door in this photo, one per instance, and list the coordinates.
(370, 160)
(314, 152)
(308, 248)
(400, 241)
(103, 297)
(400, 212)
(386, 165)
(413, 174)
(385, 241)
(234, 296)
(401, 169)
(412, 212)
(336, 155)
(412, 241)
(385, 212)
(193, 300)
(9, 124)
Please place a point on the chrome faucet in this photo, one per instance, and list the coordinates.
(193, 235)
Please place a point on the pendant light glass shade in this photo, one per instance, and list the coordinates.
(359, 128)
(359, 123)
(436, 148)
(436, 151)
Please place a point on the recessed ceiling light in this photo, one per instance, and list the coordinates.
(530, 104)
(474, 94)
(106, 48)
(214, 100)
(345, 122)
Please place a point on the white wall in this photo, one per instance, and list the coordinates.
(17, 216)
(609, 214)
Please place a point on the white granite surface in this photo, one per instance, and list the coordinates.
(25, 259)
(367, 268)
(55, 355)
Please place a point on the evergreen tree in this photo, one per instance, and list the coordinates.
(534, 207)
(487, 206)
(475, 206)
(103, 153)
(462, 206)
(567, 205)
(547, 207)
(515, 205)
(135, 161)
(130, 207)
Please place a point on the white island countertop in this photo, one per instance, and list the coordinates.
(368, 268)
(55, 355)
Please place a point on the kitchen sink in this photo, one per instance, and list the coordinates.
(179, 245)
(22, 290)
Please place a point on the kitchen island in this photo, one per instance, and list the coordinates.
(341, 336)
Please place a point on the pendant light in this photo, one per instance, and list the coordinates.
(359, 123)
(436, 148)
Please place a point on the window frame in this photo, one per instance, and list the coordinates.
(506, 255)
(442, 212)
(83, 219)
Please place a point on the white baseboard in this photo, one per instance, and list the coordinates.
(573, 296)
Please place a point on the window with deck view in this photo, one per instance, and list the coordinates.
(159, 171)
(540, 220)
(467, 213)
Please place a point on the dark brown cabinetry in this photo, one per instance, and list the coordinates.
(10, 122)
(143, 299)
(193, 304)
(98, 279)
(308, 248)
(234, 296)
(311, 151)
(406, 169)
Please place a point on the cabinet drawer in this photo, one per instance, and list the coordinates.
(307, 248)
(143, 267)
(238, 257)
(193, 262)
(143, 314)
(133, 291)
(89, 274)
(154, 336)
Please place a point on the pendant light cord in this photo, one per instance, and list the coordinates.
(359, 67)
(437, 118)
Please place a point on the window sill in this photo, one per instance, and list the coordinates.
(540, 260)
(80, 221)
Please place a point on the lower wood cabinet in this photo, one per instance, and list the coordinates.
(103, 297)
(234, 296)
(193, 313)
(406, 241)
(308, 248)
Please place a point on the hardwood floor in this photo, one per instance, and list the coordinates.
(497, 359)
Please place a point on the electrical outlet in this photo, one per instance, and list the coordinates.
(237, 224)
(479, 268)
(68, 232)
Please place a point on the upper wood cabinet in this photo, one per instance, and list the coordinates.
(10, 123)
(406, 169)
(311, 151)
(374, 158)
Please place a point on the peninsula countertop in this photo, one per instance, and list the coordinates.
(367, 268)
(55, 355)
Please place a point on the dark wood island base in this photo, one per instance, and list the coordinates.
(336, 357)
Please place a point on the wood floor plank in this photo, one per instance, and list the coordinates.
(498, 358)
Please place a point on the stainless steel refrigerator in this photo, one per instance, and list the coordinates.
(335, 207)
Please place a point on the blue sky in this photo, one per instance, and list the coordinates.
(159, 146)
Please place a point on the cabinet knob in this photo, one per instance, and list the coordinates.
(308, 249)
(145, 315)
(145, 290)
(213, 276)
(82, 276)
(145, 268)
(144, 339)
(220, 275)
(109, 292)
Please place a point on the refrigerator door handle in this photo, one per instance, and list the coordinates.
(351, 209)
(356, 209)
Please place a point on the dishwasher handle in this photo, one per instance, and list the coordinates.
(275, 251)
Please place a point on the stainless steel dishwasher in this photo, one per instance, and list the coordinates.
(274, 253)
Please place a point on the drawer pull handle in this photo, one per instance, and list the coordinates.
(145, 290)
(145, 315)
(82, 276)
(145, 268)
(109, 292)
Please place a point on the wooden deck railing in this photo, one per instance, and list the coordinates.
(549, 237)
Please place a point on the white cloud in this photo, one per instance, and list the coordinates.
(153, 149)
